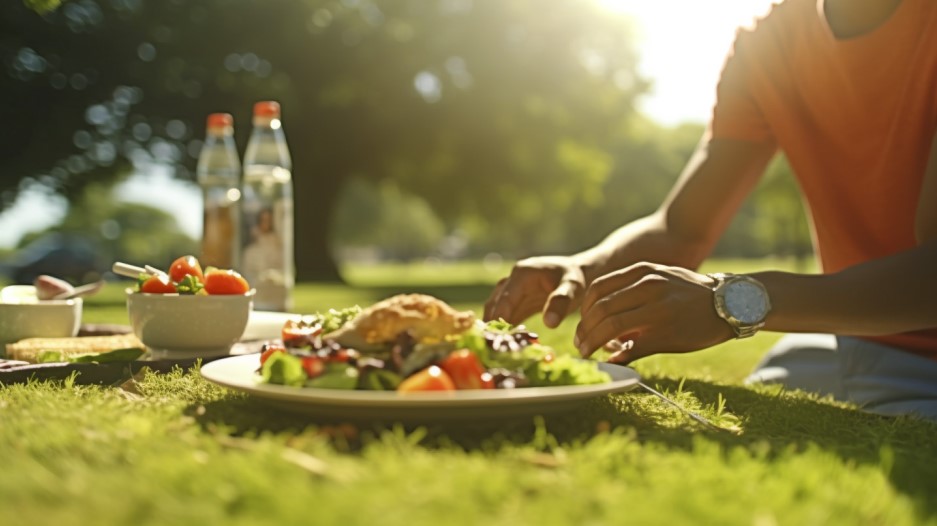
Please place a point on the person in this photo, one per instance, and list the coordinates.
(847, 90)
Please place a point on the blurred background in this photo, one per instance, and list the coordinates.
(421, 130)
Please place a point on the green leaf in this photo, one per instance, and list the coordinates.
(284, 369)
(50, 357)
(189, 285)
(336, 376)
(120, 355)
(379, 380)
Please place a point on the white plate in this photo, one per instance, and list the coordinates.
(240, 373)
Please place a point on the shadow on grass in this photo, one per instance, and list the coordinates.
(773, 425)
(780, 423)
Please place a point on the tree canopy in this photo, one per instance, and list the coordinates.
(514, 120)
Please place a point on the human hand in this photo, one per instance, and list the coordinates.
(553, 284)
(648, 309)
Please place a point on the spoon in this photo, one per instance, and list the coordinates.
(133, 271)
(80, 291)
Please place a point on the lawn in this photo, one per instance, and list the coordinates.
(173, 449)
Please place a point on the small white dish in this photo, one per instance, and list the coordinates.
(174, 326)
(39, 319)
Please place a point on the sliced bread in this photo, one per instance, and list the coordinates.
(29, 349)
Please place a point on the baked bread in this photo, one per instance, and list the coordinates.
(426, 318)
(28, 350)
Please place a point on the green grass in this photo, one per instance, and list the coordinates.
(173, 449)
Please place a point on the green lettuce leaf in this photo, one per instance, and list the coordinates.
(335, 376)
(284, 369)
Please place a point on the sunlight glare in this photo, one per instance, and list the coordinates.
(682, 45)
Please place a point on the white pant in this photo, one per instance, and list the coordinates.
(880, 379)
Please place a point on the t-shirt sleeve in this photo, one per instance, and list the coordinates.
(736, 114)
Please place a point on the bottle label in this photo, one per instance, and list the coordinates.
(219, 237)
(267, 255)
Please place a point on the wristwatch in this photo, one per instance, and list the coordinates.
(742, 302)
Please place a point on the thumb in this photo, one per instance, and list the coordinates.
(564, 299)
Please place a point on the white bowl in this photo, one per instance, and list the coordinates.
(178, 326)
(43, 319)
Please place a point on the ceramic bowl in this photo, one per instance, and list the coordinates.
(174, 326)
(41, 319)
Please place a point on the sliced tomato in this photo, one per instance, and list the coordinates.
(296, 330)
(466, 370)
(313, 365)
(430, 379)
(225, 282)
(158, 284)
(186, 266)
(341, 355)
(268, 351)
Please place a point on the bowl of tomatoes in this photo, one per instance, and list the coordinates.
(187, 312)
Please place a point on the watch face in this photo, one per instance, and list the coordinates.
(746, 302)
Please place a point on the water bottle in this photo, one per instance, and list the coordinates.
(218, 174)
(267, 211)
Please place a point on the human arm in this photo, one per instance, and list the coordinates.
(666, 309)
(883, 296)
(681, 232)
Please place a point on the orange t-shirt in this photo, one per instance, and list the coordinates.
(855, 118)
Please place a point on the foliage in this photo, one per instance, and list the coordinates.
(42, 6)
(400, 225)
(772, 221)
(502, 112)
(130, 232)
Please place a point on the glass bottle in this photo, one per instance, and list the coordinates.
(218, 173)
(267, 211)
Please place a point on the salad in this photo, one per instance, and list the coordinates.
(411, 343)
(185, 276)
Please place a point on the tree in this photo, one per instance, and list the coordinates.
(131, 232)
(401, 226)
(494, 110)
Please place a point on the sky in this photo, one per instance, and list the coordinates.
(682, 56)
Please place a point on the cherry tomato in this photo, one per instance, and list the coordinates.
(185, 266)
(296, 330)
(159, 284)
(269, 350)
(430, 379)
(313, 365)
(225, 282)
(466, 371)
(341, 355)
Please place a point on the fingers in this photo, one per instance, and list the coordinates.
(609, 283)
(625, 325)
(615, 315)
(512, 300)
(627, 353)
(493, 300)
(537, 284)
(563, 300)
(506, 303)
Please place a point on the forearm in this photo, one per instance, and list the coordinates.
(885, 296)
(645, 239)
(682, 232)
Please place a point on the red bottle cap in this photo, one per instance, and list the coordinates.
(220, 120)
(267, 108)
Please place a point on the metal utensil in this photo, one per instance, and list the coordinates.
(691, 414)
(132, 271)
(80, 291)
